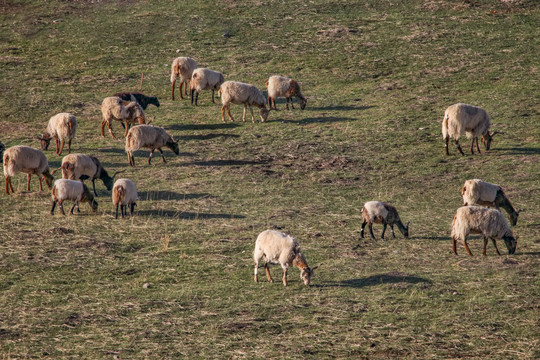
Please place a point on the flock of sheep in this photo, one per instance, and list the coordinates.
(272, 246)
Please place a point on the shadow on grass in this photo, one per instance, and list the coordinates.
(388, 278)
(203, 126)
(224, 163)
(168, 195)
(438, 238)
(187, 215)
(519, 150)
(343, 108)
(328, 119)
(207, 136)
(532, 253)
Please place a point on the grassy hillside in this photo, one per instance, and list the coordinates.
(176, 280)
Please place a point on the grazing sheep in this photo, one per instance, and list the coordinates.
(114, 108)
(82, 167)
(491, 223)
(240, 93)
(203, 79)
(124, 194)
(152, 137)
(466, 119)
(139, 98)
(2, 148)
(282, 86)
(65, 189)
(27, 160)
(478, 192)
(382, 213)
(279, 248)
(61, 127)
(182, 67)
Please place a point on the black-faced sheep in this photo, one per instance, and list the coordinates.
(60, 127)
(466, 119)
(114, 108)
(152, 137)
(65, 189)
(182, 67)
(124, 194)
(205, 79)
(279, 248)
(26, 160)
(138, 97)
(242, 94)
(478, 192)
(382, 213)
(281, 86)
(82, 167)
(491, 223)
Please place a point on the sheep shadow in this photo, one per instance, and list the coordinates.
(519, 150)
(187, 215)
(328, 119)
(379, 279)
(342, 108)
(168, 195)
(207, 136)
(438, 238)
(219, 126)
(112, 150)
(224, 163)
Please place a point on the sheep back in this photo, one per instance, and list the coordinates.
(202, 79)
(150, 136)
(463, 118)
(66, 189)
(76, 165)
(476, 219)
(124, 192)
(24, 159)
(476, 191)
(241, 93)
(278, 85)
(374, 212)
(276, 247)
(62, 126)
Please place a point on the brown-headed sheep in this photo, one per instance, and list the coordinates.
(27, 160)
(204, 79)
(114, 108)
(491, 223)
(242, 94)
(124, 194)
(182, 67)
(382, 213)
(152, 137)
(282, 86)
(65, 189)
(60, 127)
(279, 248)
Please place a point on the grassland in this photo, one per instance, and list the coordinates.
(176, 280)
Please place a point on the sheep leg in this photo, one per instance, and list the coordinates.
(109, 126)
(362, 231)
(459, 147)
(467, 247)
(61, 206)
(73, 208)
(454, 244)
(40, 183)
(197, 97)
(103, 128)
(495, 244)
(371, 230)
(284, 276)
(212, 96)
(93, 186)
(477, 147)
(292, 106)
(172, 92)
(69, 146)
(7, 184)
(56, 142)
(228, 109)
(61, 147)
(485, 246)
(446, 145)
(383, 230)
(180, 89)
(127, 128)
(131, 209)
(185, 87)
(162, 157)
(255, 276)
(53, 206)
(287, 102)
(252, 117)
(472, 144)
(150, 157)
(244, 114)
(392, 227)
(131, 160)
(267, 270)
(10, 184)
(28, 183)
(123, 210)
(116, 213)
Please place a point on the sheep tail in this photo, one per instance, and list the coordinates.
(267, 84)
(118, 194)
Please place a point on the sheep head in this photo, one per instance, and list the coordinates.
(264, 113)
(487, 138)
(45, 141)
(306, 274)
(511, 243)
(173, 145)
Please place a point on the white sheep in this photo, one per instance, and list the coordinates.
(27, 160)
(382, 213)
(479, 192)
(128, 112)
(61, 127)
(282, 86)
(466, 119)
(204, 79)
(491, 223)
(241, 93)
(152, 137)
(182, 67)
(82, 167)
(124, 194)
(279, 248)
(66, 189)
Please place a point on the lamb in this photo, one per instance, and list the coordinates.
(491, 223)
(282, 86)
(152, 137)
(82, 167)
(471, 120)
(182, 67)
(124, 194)
(382, 213)
(203, 79)
(139, 98)
(65, 189)
(61, 127)
(241, 93)
(279, 248)
(478, 192)
(114, 108)
(27, 160)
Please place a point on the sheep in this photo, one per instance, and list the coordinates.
(241, 93)
(138, 97)
(203, 79)
(124, 194)
(471, 120)
(25, 159)
(478, 192)
(382, 213)
(491, 223)
(282, 86)
(2, 148)
(182, 67)
(279, 248)
(114, 108)
(152, 137)
(82, 167)
(60, 127)
(65, 189)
